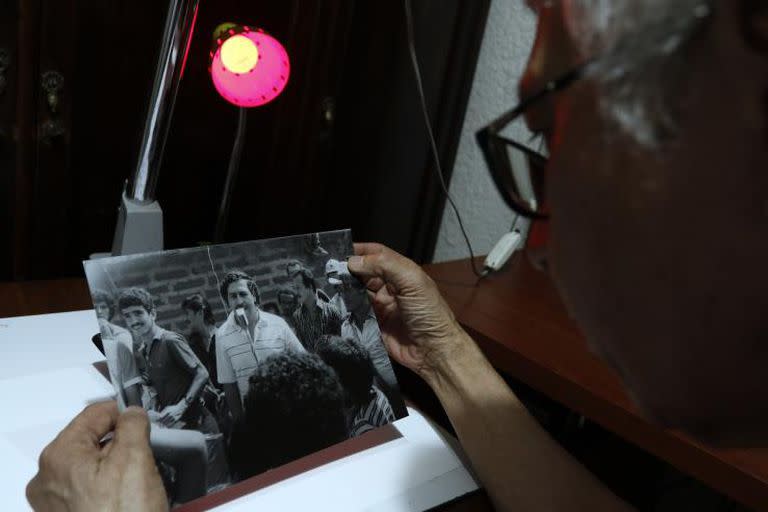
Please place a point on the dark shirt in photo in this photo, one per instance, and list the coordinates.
(312, 323)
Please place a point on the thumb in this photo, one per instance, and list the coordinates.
(131, 433)
(386, 264)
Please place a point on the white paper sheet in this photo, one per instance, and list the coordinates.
(47, 378)
(44, 343)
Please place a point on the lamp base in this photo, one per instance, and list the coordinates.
(139, 228)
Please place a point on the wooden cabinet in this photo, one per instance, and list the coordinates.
(344, 146)
(9, 20)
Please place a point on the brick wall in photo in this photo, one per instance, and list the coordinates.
(173, 275)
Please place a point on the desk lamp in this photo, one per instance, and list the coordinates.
(249, 68)
(245, 78)
(140, 218)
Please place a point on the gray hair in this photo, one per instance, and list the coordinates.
(640, 43)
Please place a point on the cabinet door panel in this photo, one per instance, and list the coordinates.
(77, 155)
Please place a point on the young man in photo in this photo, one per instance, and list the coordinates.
(104, 305)
(294, 269)
(295, 419)
(247, 338)
(313, 318)
(202, 332)
(367, 407)
(118, 350)
(361, 326)
(332, 269)
(169, 366)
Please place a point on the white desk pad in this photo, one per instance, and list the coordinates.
(47, 377)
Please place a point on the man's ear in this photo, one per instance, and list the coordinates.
(754, 22)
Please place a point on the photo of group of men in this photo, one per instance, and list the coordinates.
(265, 383)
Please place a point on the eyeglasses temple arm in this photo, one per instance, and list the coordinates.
(556, 85)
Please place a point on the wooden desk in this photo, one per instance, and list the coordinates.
(41, 297)
(520, 323)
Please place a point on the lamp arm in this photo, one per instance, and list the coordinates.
(177, 36)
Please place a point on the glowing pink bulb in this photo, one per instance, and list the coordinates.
(239, 54)
(253, 69)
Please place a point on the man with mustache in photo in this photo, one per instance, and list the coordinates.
(247, 338)
(168, 365)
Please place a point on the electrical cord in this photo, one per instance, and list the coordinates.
(233, 169)
(433, 145)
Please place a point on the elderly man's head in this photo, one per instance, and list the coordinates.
(641, 48)
(658, 191)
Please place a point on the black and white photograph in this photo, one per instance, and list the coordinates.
(245, 356)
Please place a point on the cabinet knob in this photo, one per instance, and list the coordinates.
(51, 130)
(328, 110)
(53, 83)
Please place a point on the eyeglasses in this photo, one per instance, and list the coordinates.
(517, 170)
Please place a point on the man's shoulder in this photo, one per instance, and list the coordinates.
(171, 336)
(124, 337)
(297, 313)
(227, 328)
(379, 395)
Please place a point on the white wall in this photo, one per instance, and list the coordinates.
(506, 44)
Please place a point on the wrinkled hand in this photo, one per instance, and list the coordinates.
(171, 415)
(77, 473)
(418, 328)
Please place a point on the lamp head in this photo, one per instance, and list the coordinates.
(249, 68)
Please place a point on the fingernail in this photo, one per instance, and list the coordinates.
(355, 262)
